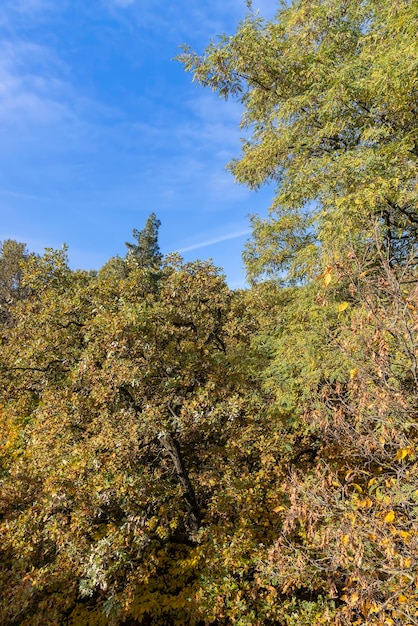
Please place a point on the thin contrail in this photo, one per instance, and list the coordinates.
(210, 242)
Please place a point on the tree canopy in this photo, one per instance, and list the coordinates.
(146, 250)
(329, 94)
(176, 452)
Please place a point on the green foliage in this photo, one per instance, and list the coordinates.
(12, 256)
(146, 251)
(117, 402)
(330, 104)
(329, 91)
(349, 531)
(173, 452)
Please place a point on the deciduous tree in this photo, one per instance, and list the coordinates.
(329, 93)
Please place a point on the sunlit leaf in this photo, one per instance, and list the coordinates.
(390, 517)
(327, 276)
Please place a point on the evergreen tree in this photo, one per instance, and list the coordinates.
(146, 251)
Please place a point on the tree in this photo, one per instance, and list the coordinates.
(116, 406)
(12, 255)
(187, 454)
(329, 91)
(343, 358)
(146, 251)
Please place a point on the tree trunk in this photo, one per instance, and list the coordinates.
(172, 448)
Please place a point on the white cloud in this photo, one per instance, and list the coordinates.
(61, 136)
(30, 90)
(184, 21)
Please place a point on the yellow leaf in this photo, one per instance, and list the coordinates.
(407, 562)
(404, 534)
(327, 276)
(357, 488)
(342, 307)
(353, 373)
(367, 503)
(345, 539)
(354, 598)
(402, 599)
(403, 452)
(278, 509)
(374, 608)
(390, 517)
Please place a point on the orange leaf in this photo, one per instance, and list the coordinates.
(278, 509)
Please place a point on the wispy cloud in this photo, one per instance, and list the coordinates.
(31, 87)
(121, 3)
(99, 128)
(17, 13)
(211, 242)
(184, 21)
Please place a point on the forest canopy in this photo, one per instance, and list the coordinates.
(177, 452)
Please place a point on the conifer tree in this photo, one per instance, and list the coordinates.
(146, 251)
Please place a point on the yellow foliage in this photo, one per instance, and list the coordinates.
(404, 452)
(390, 517)
(373, 608)
(327, 276)
(278, 509)
(366, 504)
(353, 599)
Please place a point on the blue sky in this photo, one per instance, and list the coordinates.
(99, 127)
